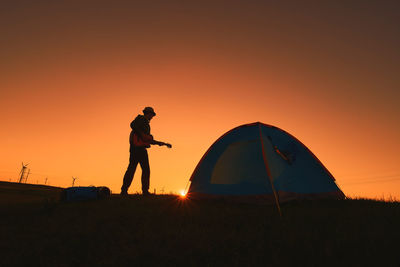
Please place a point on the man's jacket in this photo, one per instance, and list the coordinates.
(140, 134)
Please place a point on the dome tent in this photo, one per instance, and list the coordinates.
(261, 161)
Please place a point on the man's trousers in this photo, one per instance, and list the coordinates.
(137, 155)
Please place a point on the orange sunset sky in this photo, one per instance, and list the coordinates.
(73, 74)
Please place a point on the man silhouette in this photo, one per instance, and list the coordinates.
(139, 140)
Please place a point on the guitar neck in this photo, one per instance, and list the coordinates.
(161, 143)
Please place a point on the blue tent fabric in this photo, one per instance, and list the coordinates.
(234, 165)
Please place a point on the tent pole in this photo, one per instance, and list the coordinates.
(269, 172)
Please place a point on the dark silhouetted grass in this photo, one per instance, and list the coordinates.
(167, 231)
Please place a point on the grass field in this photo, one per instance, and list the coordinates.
(37, 230)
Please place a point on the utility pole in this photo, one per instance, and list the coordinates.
(45, 181)
(22, 172)
(73, 180)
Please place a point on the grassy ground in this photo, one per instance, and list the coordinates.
(37, 230)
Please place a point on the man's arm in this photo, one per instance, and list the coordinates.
(155, 142)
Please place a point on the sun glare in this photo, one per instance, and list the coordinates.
(183, 193)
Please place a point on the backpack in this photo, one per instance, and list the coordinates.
(80, 193)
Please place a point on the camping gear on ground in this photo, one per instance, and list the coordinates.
(80, 193)
(261, 162)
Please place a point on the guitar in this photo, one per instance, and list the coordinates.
(146, 140)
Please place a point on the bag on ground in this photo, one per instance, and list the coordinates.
(81, 193)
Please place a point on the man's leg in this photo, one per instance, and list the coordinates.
(144, 164)
(130, 172)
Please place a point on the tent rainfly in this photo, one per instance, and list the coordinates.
(261, 162)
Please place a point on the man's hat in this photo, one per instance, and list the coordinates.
(149, 110)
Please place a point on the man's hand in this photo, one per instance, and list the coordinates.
(168, 145)
(162, 144)
(165, 144)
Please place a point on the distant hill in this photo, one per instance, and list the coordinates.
(26, 193)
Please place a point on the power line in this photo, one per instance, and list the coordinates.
(7, 171)
(370, 177)
(396, 178)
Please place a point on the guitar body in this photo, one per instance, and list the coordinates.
(144, 141)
